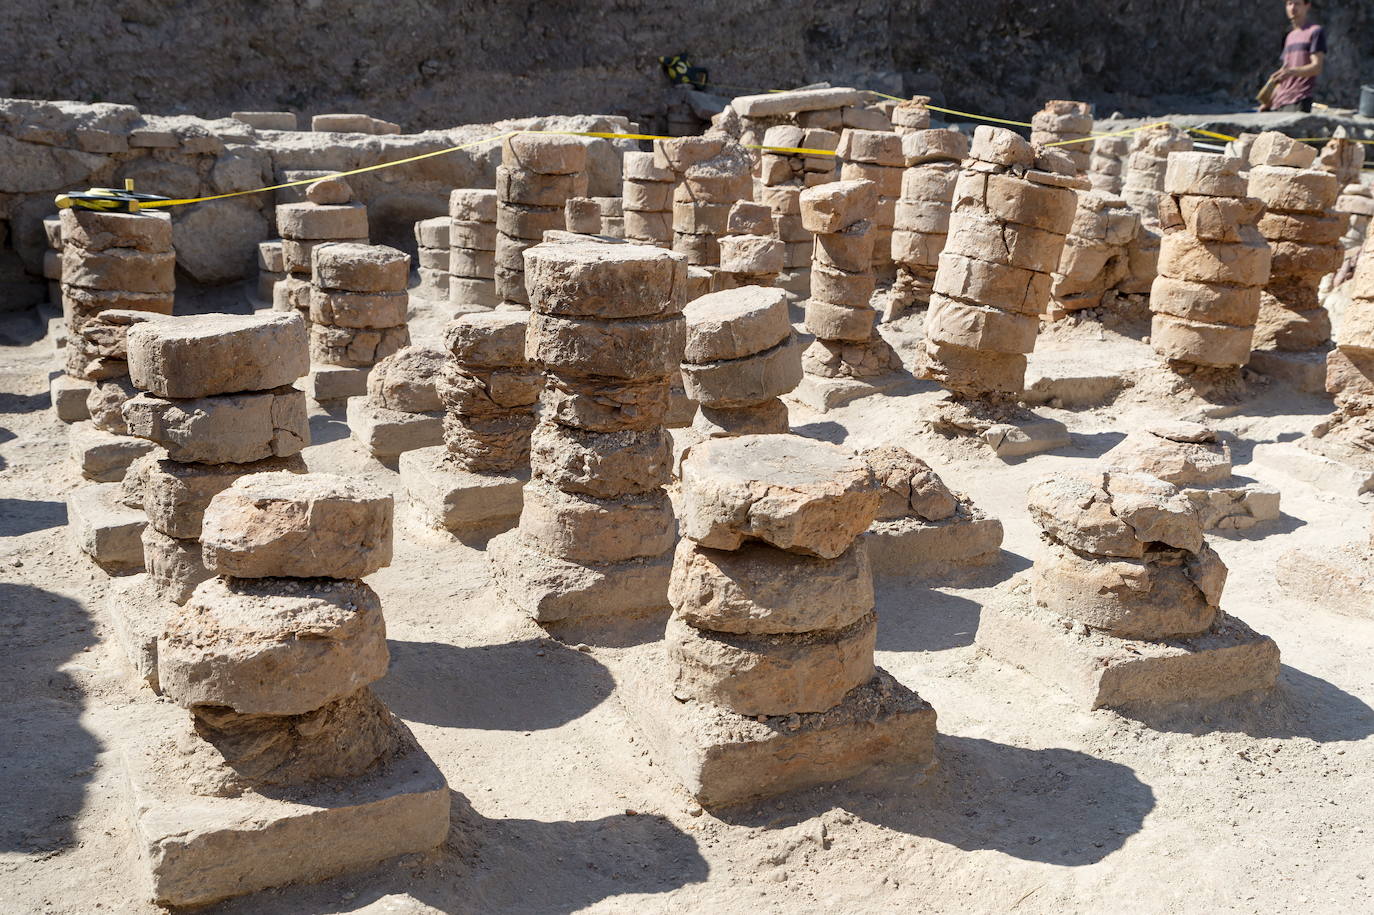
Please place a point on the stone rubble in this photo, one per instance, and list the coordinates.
(1096, 256)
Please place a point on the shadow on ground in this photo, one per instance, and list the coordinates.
(46, 756)
(518, 686)
(1053, 805)
(923, 615)
(1300, 706)
(25, 516)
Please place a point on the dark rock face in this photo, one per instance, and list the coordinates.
(450, 62)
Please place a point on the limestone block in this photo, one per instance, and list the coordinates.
(1311, 228)
(800, 495)
(225, 428)
(1274, 148)
(836, 205)
(973, 371)
(1211, 302)
(478, 236)
(528, 223)
(604, 465)
(629, 349)
(768, 417)
(603, 405)
(269, 525)
(552, 589)
(836, 321)
(386, 432)
(745, 381)
(877, 147)
(471, 262)
(1114, 514)
(82, 305)
(1015, 200)
(950, 321)
(105, 404)
(999, 146)
(1295, 258)
(583, 528)
(752, 255)
(405, 380)
(776, 674)
(640, 166)
(760, 589)
(841, 287)
(94, 230)
(518, 185)
(119, 269)
(648, 196)
(327, 383)
(1204, 174)
(1181, 453)
(360, 268)
(595, 280)
(850, 249)
(886, 180)
(299, 254)
(355, 346)
(1246, 263)
(273, 646)
(981, 237)
(175, 566)
(106, 529)
(1297, 190)
(735, 323)
(313, 222)
(174, 494)
(1200, 343)
(451, 498)
(69, 396)
(103, 456)
(544, 154)
(203, 355)
(472, 204)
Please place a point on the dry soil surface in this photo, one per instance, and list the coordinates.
(1259, 804)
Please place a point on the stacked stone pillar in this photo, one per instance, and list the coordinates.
(1342, 157)
(1347, 435)
(1356, 206)
(596, 531)
(1096, 255)
(358, 309)
(612, 216)
(1011, 214)
(771, 684)
(1212, 263)
(271, 274)
(741, 357)
(1304, 239)
(327, 215)
(537, 175)
(289, 766)
(1066, 126)
(921, 218)
(111, 262)
(713, 173)
(876, 156)
(1107, 163)
(472, 250)
(582, 216)
(782, 176)
(1143, 189)
(401, 411)
(1122, 605)
(52, 258)
(911, 115)
(217, 398)
(432, 254)
(647, 200)
(751, 254)
(471, 485)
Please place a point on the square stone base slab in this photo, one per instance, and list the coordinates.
(200, 849)
(1029, 436)
(103, 456)
(387, 433)
(906, 545)
(724, 758)
(1235, 508)
(478, 505)
(138, 612)
(69, 397)
(1293, 460)
(334, 382)
(823, 394)
(1062, 384)
(1305, 371)
(553, 590)
(106, 529)
(1340, 579)
(1099, 670)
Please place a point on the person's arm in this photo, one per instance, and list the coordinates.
(1312, 68)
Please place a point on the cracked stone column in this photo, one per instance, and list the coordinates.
(326, 215)
(1212, 263)
(118, 269)
(1122, 604)
(358, 310)
(921, 220)
(217, 398)
(472, 250)
(1304, 235)
(288, 768)
(537, 175)
(766, 681)
(471, 485)
(1066, 126)
(596, 531)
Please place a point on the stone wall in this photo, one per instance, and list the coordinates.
(436, 63)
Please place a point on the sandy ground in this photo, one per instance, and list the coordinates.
(1260, 804)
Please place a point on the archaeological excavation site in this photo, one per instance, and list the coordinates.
(462, 458)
